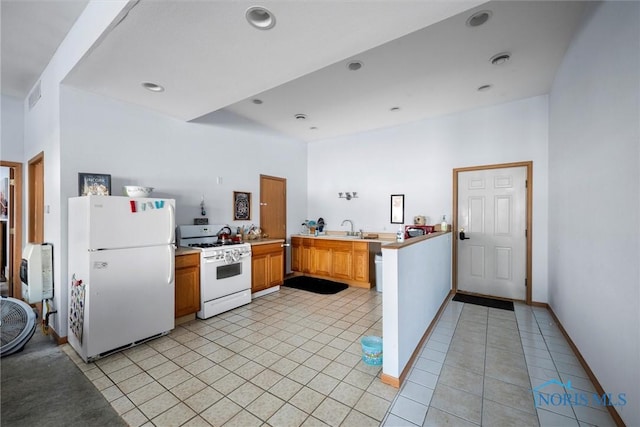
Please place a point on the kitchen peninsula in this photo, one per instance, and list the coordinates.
(417, 283)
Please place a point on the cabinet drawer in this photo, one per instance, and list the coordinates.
(360, 246)
(269, 248)
(187, 260)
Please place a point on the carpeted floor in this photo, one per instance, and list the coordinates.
(41, 386)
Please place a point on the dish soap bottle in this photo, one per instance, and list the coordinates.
(400, 235)
(443, 226)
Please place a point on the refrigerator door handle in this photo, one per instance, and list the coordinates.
(172, 267)
(172, 220)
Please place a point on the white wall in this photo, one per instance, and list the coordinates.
(417, 160)
(594, 197)
(416, 281)
(12, 128)
(180, 160)
(42, 134)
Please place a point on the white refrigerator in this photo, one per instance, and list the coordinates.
(121, 272)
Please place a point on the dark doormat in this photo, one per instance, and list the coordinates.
(312, 284)
(487, 302)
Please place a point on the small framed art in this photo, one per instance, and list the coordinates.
(95, 184)
(397, 209)
(241, 206)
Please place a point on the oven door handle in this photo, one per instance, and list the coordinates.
(211, 260)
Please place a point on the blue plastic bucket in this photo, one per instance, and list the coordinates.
(371, 350)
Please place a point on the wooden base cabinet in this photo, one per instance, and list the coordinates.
(267, 266)
(361, 262)
(187, 284)
(348, 262)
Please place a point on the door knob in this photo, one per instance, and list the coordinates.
(462, 236)
(285, 245)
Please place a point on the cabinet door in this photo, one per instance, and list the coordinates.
(361, 266)
(296, 258)
(259, 273)
(187, 284)
(296, 254)
(307, 260)
(341, 265)
(322, 261)
(276, 268)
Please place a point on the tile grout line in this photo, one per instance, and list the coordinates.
(555, 367)
(484, 370)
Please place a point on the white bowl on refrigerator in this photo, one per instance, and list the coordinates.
(137, 191)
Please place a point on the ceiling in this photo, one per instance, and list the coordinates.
(31, 31)
(419, 60)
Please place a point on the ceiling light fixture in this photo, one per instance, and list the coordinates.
(257, 101)
(479, 18)
(394, 109)
(300, 116)
(484, 88)
(152, 87)
(354, 65)
(260, 18)
(501, 58)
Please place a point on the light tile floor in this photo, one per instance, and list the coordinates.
(292, 358)
(480, 367)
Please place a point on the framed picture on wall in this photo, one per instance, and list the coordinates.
(95, 184)
(241, 206)
(397, 209)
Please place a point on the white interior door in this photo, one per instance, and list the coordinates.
(492, 212)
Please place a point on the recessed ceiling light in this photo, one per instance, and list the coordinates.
(260, 18)
(257, 101)
(152, 87)
(354, 65)
(484, 88)
(394, 109)
(300, 116)
(501, 58)
(479, 18)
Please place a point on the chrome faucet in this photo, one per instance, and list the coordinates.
(350, 222)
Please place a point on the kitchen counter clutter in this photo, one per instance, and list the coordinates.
(345, 259)
(414, 240)
(383, 238)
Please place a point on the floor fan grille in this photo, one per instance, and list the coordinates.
(18, 323)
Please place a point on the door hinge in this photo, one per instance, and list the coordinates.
(12, 231)
(525, 232)
(525, 283)
(526, 183)
(12, 182)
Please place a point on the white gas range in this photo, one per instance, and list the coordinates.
(225, 268)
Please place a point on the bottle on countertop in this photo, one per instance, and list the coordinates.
(400, 235)
(443, 226)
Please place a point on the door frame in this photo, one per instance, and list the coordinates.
(261, 213)
(15, 232)
(35, 212)
(529, 224)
